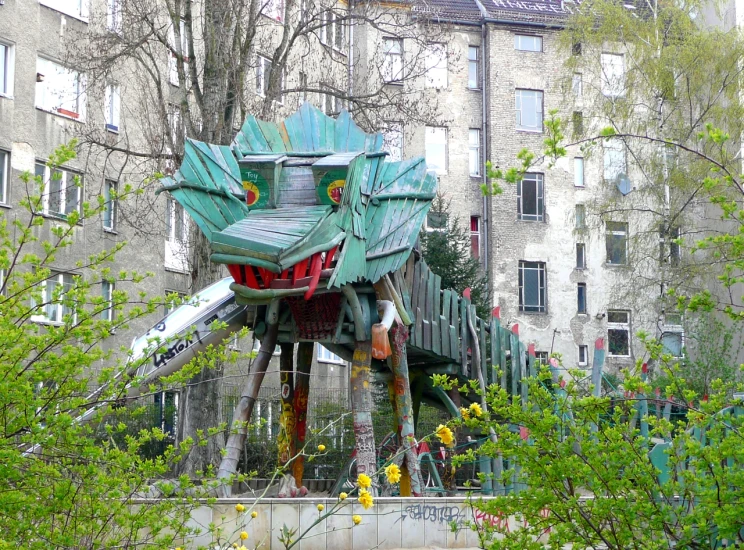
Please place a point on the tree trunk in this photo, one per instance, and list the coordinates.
(361, 406)
(285, 442)
(302, 389)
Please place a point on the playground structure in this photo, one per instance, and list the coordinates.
(318, 231)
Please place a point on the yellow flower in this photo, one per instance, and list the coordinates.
(240, 507)
(365, 499)
(320, 507)
(445, 434)
(242, 548)
(357, 519)
(254, 514)
(476, 409)
(342, 496)
(321, 447)
(235, 544)
(465, 413)
(243, 535)
(364, 481)
(393, 473)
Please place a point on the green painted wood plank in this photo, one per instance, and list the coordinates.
(485, 364)
(444, 338)
(296, 133)
(254, 136)
(495, 341)
(514, 347)
(341, 134)
(419, 329)
(455, 344)
(523, 373)
(504, 337)
(357, 138)
(272, 136)
(466, 340)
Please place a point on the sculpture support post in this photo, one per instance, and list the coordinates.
(404, 405)
(302, 388)
(285, 441)
(361, 406)
(244, 409)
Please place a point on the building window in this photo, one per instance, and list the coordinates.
(583, 356)
(613, 75)
(173, 300)
(176, 244)
(530, 198)
(74, 8)
(338, 32)
(474, 151)
(59, 90)
(475, 236)
(529, 110)
(577, 84)
(580, 216)
(107, 292)
(672, 337)
(110, 206)
(618, 332)
(614, 160)
(542, 357)
(331, 103)
(113, 16)
(392, 67)
(435, 59)
(528, 43)
(617, 243)
(174, 48)
(532, 287)
(4, 176)
(577, 120)
(62, 191)
(2, 282)
(580, 256)
(392, 140)
(7, 63)
(326, 356)
(263, 74)
(303, 87)
(576, 48)
(53, 291)
(473, 67)
(113, 107)
(581, 298)
(275, 10)
(436, 221)
(578, 172)
(669, 250)
(435, 142)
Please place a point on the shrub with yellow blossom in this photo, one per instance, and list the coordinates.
(465, 413)
(240, 507)
(445, 435)
(321, 448)
(364, 481)
(365, 499)
(243, 535)
(356, 519)
(320, 507)
(342, 496)
(393, 473)
(475, 408)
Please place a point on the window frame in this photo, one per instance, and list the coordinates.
(262, 82)
(474, 153)
(518, 39)
(582, 308)
(7, 75)
(580, 255)
(64, 278)
(434, 166)
(440, 50)
(539, 215)
(585, 349)
(389, 75)
(474, 65)
(44, 97)
(47, 178)
(324, 355)
(81, 13)
(620, 327)
(4, 177)
(110, 206)
(580, 216)
(392, 140)
(675, 328)
(108, 297)
(579, 174)
(608, 87)
(542, 287)
(539, 114)
(114, 16)
(615, 229)
(577, 84)
(612, 151)
(112, 104)
(475, 237)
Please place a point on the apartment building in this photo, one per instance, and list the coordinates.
(486, 72)
(46, 100)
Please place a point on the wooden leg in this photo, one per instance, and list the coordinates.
(243, 411)
(285, 441)
(302, 388)
(361, 406)
(404, 405)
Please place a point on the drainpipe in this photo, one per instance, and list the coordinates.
(484, 114)
(350, 75)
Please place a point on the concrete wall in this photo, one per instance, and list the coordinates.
(390, 523)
